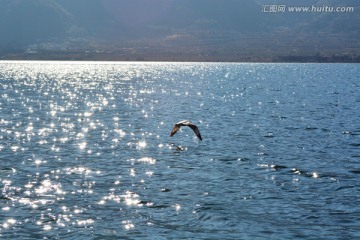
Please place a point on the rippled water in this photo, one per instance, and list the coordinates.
(85, 151)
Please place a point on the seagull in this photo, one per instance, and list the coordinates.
(186, 123)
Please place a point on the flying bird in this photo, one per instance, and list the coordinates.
(186, 123)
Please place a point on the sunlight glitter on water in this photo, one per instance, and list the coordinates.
(85, 150)
(128, 224)
(82, 145)
(141, 144)
(148, 160)
(9, 222)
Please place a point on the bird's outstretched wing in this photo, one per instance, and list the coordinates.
(175, 129)
(196, 130)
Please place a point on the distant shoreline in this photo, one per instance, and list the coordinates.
(180, 57)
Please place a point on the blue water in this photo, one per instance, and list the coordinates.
(85, 151)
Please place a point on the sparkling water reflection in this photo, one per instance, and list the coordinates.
(85, 151)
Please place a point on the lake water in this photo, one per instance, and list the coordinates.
(85, 151)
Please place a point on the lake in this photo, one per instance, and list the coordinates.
(86, 152)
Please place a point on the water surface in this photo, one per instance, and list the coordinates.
(85, 151)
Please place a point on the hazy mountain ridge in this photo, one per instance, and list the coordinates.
(24, 22)
(29, 23)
